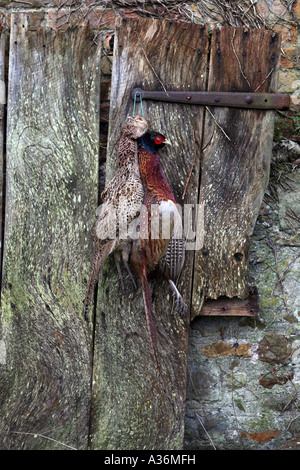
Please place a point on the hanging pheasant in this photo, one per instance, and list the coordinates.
(122, 200)
(152, 249)
(171, 265)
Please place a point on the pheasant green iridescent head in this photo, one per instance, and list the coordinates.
(153, 141)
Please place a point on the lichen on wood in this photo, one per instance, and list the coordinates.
(52, 163)
(128, 399)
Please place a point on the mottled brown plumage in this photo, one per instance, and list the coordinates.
(122, 200)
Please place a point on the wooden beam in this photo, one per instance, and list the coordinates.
(224, 306)
(52, 171)
(128, 400)
(2, 127)
(237, 150)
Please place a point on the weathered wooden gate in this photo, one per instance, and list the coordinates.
(51, 195)
(66, 383)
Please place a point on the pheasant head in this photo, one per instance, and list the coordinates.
(137, 126)
(153, 141)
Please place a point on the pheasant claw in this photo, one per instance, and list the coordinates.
(178, 302)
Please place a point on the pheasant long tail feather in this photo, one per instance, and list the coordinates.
(102, 251)
(150, 321)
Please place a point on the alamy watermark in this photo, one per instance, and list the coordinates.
(164, 220)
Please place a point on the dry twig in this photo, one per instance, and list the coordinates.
(190, 173)
(34, 434)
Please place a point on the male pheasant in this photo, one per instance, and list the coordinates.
(153, 247)
(122, 199)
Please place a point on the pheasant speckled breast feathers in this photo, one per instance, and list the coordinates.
(122, 200)
(123, 196)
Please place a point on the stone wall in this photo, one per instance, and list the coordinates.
(244, 374)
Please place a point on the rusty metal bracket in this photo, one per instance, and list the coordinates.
(212, 98)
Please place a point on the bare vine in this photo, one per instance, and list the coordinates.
(236, 13)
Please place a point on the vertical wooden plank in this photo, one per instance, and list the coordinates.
(2, 110)
(52, 163)
(128, 400)
(236, 160)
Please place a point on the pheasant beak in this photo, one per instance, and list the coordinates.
(167, 142)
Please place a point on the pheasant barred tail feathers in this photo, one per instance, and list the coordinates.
(172, 262)
(170, 266)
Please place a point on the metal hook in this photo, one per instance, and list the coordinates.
(134, 103)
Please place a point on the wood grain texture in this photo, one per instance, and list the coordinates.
(128, 400)
(52, 168)
(235, 166)
(2, 130)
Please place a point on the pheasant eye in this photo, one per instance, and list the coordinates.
(158, 139)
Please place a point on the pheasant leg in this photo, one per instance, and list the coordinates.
(117, 261)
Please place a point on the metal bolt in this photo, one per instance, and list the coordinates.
(188, 97)
(217, 99)
(238, 256)
(248, 99)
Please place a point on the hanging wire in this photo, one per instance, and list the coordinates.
(134, 103)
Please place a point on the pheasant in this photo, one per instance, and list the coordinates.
(122, 200)
(153, 248)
